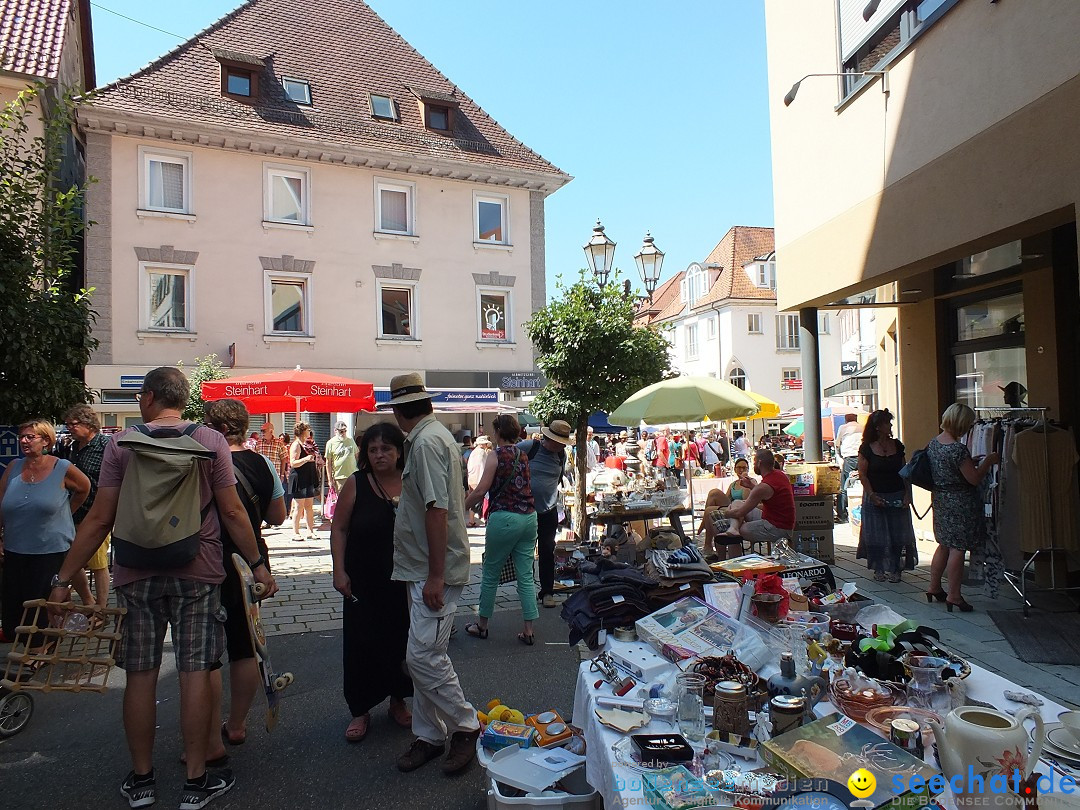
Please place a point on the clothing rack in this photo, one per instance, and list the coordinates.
(1019, 580)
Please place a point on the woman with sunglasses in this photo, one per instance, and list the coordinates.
(511, 526)
(39, 494)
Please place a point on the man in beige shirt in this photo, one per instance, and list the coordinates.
(431, 555)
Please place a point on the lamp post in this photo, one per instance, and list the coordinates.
(600, 251)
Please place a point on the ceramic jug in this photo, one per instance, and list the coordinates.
(787, 682)
(992, 743)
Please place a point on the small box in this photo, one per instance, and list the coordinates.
(499, 735)
(826, 478)
(814, 512)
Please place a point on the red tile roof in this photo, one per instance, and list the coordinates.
(32, 35)
(346, 52)
(740, 246)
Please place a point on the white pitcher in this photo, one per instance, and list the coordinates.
(992, 743)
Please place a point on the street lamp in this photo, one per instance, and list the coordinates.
(649, 261)
(884, 74)
(600, 251)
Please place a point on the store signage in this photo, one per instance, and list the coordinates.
(848, 367)
(131, 381)
(522, 381)
(458, 398)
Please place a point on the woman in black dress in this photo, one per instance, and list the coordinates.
(303, 479)
(375, 626)
(887, 534)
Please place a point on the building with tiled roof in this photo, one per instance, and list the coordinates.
(722, 321)
(297, 185)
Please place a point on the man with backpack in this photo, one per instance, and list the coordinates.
(165, 489)
(547, 460)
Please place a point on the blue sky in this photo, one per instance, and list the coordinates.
(658, 110)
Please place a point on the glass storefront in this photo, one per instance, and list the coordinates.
(993, 378)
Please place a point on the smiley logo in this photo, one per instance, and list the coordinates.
(861, 783)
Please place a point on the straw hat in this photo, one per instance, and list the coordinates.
(404, 388)
(559, 431)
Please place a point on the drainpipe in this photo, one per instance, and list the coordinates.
(811, 383)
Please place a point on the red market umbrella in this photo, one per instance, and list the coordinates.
(294, 391)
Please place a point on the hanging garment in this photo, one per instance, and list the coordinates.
(1049, 504)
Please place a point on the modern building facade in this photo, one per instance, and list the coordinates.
(936, 184)
(296, 185)
(721, 319)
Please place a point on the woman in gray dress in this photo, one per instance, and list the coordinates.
(959, 524)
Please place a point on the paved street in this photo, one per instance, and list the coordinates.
(72, 754)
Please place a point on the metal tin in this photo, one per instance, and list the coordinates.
(625, 634)
(786, 712)
(907, 734)
(731, 708)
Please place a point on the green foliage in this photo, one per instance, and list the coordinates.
(44, 320)
(593, 355)
(206, 369)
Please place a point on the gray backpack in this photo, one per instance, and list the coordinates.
(158, 514)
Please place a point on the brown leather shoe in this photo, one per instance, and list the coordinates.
(462, 751)
(420, 753)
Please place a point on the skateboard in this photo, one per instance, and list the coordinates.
(273, 682)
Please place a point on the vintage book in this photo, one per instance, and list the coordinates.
(835, 746)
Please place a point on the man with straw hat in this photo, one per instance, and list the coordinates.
(547, 461)
(431, 555)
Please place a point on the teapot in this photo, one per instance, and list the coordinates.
(787, 682)
(990, 742)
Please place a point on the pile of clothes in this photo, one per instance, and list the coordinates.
(612, 595)
(679, 573)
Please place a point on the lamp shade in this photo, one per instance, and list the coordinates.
(600, 251)
(650, 259)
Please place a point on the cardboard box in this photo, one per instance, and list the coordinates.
(816, 543)
(835, 746)
(826, 478)
(814, 512)
(689, 623)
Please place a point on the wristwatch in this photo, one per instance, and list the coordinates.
(59, 583)
(260, 561)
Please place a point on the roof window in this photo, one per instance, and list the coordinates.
(296, 90)
(383, 108)
(239, 74)
(437, 108)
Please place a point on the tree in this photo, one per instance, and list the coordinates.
(206, 369)
(594, 358)
(45, 319)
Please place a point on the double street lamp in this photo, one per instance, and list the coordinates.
(600, 251)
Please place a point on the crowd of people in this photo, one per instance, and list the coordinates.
(406, 493)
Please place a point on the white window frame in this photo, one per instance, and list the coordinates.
(270, 170)
(752, 319)
(504, 201)
(693, 347)
(148, 154)
(789, 374)
(823, 323)
(507, 292)
(306, 85)
(269, 277)
(414, 309)
(394, 114)
(410, 205)
(787, 340)
(710, 328)
(731, 376)
(186, 270)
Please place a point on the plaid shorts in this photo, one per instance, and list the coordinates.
(192, 608)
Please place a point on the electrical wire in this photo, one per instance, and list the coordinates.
(137, 22)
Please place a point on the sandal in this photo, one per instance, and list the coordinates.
(400, 713)
(476, 631)
(527, 639)
(358, 728)
(229, 738)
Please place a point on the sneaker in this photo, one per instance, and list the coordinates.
(549, 601)
(140, 791)
(420, 753)
(462, 751)
(200, 793)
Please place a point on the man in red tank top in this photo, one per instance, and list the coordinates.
(777, 501)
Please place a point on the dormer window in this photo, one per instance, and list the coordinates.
(695, 284)
(296, 90)
(239, 74)
(437, 109)
(383, 108)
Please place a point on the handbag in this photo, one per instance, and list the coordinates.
(917, 471)
(508, 573)
(331, 504)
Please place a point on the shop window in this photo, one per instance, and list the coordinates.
(988, 349)
(494, 313)
(995, 378)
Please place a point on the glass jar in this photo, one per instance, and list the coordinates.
(690, 711)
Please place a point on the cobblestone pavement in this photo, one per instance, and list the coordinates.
(307, 602)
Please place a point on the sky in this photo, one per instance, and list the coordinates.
(658, 110)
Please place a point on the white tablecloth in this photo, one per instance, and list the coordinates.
(621, 787)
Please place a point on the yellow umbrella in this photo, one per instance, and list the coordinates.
(767, 409)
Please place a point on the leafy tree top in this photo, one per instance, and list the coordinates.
(206, 369)
(593, 354)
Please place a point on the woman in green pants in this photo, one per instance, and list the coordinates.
(511, 526)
